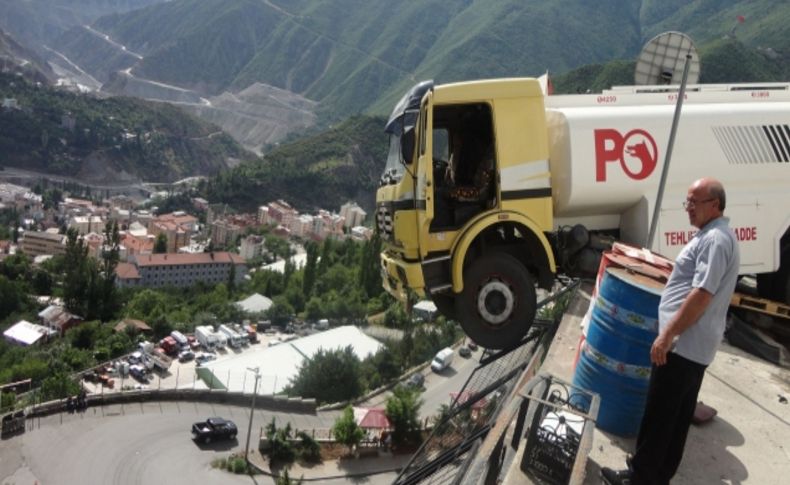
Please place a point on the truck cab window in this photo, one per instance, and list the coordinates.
(464, 163)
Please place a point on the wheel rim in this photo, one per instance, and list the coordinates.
(495, 302)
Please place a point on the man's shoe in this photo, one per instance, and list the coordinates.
(616, 477)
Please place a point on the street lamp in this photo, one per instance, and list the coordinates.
(256, 370)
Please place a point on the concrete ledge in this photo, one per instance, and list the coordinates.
(268, 402)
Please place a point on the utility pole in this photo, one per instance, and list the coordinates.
(256, 370)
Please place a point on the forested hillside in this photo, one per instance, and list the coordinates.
(354, 56)
(320, 171)
(723, 61)
(60, 132)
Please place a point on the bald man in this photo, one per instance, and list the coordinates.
(691, 319)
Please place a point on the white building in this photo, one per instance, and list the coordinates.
(353, 214)
(86, 224)
(25, 333)
(283, 360)
(252, 247)
(255, 303)
(301, 226)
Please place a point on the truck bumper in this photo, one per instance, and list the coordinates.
(397, 275)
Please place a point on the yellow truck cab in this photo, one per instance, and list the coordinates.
(465, 202)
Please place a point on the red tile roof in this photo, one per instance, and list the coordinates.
(127, 271)
(194, 258)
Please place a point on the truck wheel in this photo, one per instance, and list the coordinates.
(446, 305)
(498, 303)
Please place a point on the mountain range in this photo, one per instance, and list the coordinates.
(263, 70)
(320, 61)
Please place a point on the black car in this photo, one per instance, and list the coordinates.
(465, 352)
(416, 380)
(214, 429)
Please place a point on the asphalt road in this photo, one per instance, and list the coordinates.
(438, 386)
(149, 443)
(141, 443)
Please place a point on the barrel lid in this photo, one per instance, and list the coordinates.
(639, 280)
(637, 265)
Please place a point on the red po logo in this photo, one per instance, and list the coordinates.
(636, 152)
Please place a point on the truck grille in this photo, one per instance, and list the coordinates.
(384, 221)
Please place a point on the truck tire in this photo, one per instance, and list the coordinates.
(446, 305)
(497, 305)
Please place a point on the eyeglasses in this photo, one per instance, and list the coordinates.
(693, 203)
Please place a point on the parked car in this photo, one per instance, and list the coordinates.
(465, 352)
(138, 372)
(186, 356)
(204, 357)
(214, 429)
(416, 380)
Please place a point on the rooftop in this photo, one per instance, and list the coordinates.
(280, 363)
(188, 258)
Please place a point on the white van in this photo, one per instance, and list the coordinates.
(442, 360)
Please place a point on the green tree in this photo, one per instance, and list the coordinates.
(281, 311)
(369, 269)
(280, 449)
(77, 273)
(58, 386)
(402, 410)
(109, 262)
(329, 376)
(12, 297)
(346, 430)
(310, 268)
(160, 246)
(308, 448)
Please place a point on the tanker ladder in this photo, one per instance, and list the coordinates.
(455, 441)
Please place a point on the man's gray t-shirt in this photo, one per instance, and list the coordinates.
(709, 261)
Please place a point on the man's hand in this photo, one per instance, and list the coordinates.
(658, 352)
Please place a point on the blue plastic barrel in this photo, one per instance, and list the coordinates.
(615, 357)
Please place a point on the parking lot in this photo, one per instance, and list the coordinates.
(180, 375)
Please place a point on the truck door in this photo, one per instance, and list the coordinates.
(424, 193)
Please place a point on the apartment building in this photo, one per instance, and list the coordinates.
(224, 233)
(86, 224)
(252, 247)
(280, 212)
(180, 270)
(352, 214)
(178, 227)
(36, 243)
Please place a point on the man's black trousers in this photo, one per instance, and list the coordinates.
(671, 400)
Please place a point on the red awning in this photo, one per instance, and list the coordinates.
(371, 418)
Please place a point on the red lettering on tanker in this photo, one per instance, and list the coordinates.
(681, 238)
(636, 151)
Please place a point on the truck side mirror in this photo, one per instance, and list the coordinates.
(407, 145)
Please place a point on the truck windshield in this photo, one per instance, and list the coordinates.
(394, 169)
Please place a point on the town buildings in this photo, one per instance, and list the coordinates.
(38, 243)
(180, 270)
(352, 214)
(178, 227)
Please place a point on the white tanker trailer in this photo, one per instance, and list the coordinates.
(491, 188)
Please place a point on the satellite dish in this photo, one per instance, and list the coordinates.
(662, 59)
